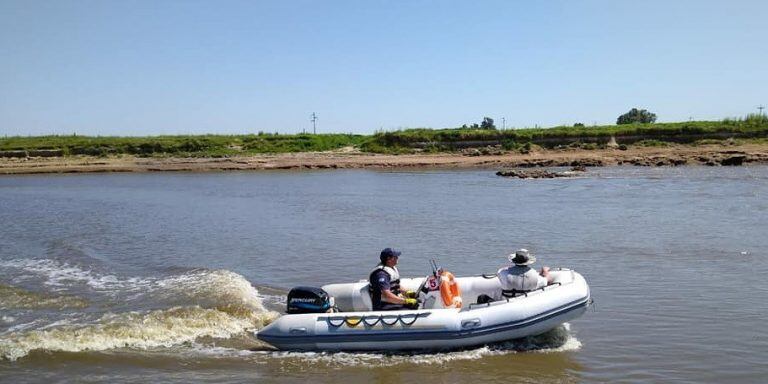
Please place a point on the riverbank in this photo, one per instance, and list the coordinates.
(348, 158)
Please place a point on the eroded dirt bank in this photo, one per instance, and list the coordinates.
(665, 156)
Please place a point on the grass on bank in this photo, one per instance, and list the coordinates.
(753, 127)
(202, 145)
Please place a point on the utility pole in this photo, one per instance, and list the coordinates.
(314, 123)
(503, 123)
(760, 108)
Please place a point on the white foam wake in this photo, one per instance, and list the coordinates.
(212, 287)
(160, 328)
(215, 304)
(559, 339)
(59, 275)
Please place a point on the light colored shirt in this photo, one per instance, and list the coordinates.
(521, 278)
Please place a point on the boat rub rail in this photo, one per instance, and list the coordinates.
(411, 335)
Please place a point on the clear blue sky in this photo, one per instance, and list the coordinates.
(188, 67)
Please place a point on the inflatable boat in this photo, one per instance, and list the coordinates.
(481, 315)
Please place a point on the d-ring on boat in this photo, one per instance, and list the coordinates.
(437, 324)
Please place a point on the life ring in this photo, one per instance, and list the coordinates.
(449, 290)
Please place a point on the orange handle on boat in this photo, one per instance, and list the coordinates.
(449, 290)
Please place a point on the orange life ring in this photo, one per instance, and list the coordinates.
(449, 290)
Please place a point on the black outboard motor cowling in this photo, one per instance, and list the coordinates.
(308, 300)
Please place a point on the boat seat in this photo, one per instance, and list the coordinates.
(363, 300)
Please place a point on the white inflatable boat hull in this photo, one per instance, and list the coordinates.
(428, 329)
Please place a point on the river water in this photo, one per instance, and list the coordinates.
(163, 277)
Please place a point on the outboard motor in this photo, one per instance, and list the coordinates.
(308, 300)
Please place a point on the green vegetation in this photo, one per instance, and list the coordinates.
(751, 128)
(203, 145)
(636, 116)
(487, 123)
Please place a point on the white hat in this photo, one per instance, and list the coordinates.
(522, 257)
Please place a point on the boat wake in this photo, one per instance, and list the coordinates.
(559, 339)
(174, 310)
(13, 297)
(210, 313)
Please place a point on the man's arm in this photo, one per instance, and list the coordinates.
(545, 274)
(391, 298)
(382, 281)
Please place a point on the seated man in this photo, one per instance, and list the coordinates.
(385, 284)
(520, 278)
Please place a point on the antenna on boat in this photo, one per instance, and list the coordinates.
(435, 268)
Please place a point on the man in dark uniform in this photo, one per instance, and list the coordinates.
(385, 284)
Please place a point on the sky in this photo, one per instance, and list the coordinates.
(134, 68)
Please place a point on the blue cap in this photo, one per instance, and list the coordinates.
(389, 252)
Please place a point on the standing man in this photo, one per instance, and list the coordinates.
(385, 284)
(520, 278)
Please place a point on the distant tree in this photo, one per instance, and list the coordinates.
(636, 116)
(475, 126)
(487, 123)
(578, 125)
(463, 126)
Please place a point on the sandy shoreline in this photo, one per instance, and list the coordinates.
(655, 156)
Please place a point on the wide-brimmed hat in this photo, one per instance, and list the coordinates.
(522, 257)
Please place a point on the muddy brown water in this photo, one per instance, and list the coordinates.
(163, 277)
